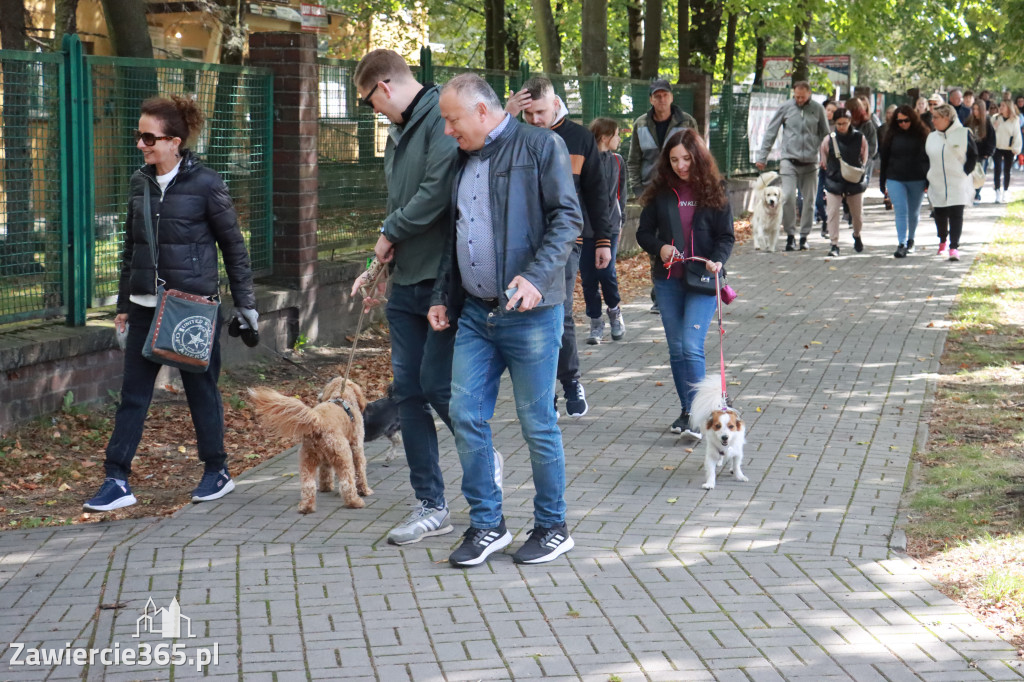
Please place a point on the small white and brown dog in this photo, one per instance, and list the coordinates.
(767, 218)
(721, 429)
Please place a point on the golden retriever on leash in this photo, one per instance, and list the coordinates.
(767, 218)
(332, 439)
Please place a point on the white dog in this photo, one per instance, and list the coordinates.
(767, 219)
(721, 430)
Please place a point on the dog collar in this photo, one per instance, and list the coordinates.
(345, 406)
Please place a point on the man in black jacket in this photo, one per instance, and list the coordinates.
(542, 108)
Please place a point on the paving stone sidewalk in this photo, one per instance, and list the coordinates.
(787, 577)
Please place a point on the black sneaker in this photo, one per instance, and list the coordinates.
(654, 309)
(478, 544)
(858, 245)
(834, 251)
(544, 544)
(681, 423)
(803, 243)
(790, 243)
(575, 399)
(910, 246)
(901, 252)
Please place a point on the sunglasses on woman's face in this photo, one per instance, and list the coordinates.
(903, 120)
(149, 139)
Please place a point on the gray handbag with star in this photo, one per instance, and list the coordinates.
(184, 324)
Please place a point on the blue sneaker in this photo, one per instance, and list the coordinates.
(112, 495)
(213, 486)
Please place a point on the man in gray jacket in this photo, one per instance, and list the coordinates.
(515, 220)
(804, 125)
(650, 131)
(419, 163)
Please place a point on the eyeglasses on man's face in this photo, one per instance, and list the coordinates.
(149, 139)
(365, 101)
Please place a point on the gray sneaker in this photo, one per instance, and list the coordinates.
(596, 331)
(423, 522)
(618, 325)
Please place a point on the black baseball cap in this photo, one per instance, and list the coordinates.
(659, 84)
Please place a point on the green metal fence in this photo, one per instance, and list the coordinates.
(738, 118)
(236, 141)
(67, 152)
(32, 265)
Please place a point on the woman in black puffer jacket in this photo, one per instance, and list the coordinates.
(853, 148)
(904, 173)
(192, 215)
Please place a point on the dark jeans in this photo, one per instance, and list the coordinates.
(421, 361)
(597, 282)
(568, 360)
(1003, 161)
(204, 401)
(820, 211)
(949, 220)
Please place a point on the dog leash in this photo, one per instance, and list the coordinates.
(383, 272)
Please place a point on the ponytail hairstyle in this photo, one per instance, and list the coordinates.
(180, 116)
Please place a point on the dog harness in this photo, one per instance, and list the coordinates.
(345, 406)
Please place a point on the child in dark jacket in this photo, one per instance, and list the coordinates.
(597, 283)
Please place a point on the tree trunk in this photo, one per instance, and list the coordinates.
(498, 34)
(488, 34)
(730, 45)
(760, 52)
(513, 43)
(652, 39)
(801, 67)
(547, 36)
(705, 27)
(635, 37)
(683, 35)
(16, 254)
(129, 33)
(65, 21)
(594, 38)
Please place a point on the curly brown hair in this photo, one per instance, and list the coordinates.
(181, 116)
(704, 175)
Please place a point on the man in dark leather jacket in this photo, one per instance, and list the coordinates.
(515, 219)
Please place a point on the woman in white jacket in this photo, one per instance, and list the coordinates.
(1008, 146)
(952, 154)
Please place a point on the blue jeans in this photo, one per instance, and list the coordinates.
(487, 343)
(421, 362)
(204, 401)
(906, 206)
(591, 278)
(685, 316)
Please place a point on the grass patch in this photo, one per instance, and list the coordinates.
(966, 509)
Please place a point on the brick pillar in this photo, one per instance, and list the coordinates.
(292, 58)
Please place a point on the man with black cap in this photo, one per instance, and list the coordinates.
(650, 131)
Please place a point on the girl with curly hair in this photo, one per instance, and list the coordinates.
(686, 213)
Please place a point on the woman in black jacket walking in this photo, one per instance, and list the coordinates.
(686, 213)
(192, 215)
(904, 173)
(852, 146)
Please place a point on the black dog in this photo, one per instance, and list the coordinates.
(380, 418)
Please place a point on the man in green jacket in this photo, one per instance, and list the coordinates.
(419, 165)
